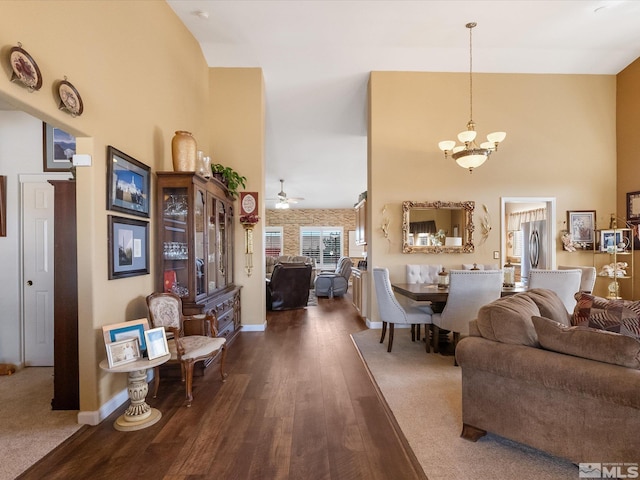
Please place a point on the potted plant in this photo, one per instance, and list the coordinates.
(232, 179)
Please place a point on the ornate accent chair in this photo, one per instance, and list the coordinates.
(165, 310)
(392, 312)
(334, 284)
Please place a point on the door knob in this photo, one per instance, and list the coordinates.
(29, 282)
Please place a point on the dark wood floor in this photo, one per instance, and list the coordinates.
(298, 404)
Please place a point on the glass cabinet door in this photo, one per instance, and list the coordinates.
(212, 252)
(175, 240)
(199, 246)
(222, 244)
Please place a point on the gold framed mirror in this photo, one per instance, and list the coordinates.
(437, 227)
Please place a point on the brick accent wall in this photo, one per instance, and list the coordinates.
(293, 218)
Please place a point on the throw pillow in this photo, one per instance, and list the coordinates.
(508, 320)
(589, 343)
(615, 315)
(550, 305)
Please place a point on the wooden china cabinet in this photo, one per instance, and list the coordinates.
(194, 247)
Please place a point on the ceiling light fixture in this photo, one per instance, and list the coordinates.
(470, 155)
(282, 205)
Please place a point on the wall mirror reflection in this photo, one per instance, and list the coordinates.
(437, 227)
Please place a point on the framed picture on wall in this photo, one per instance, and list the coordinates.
(128, 247)
(582, 226)
(633, 207)
(59, 147)
(128, 184)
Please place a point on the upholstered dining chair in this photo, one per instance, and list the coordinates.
(165, 310)
(566, 283)
(334, 283)
(588, 278)
(392, 312)
(468, 291)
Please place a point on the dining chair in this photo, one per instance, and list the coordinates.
(468, 291)
(588, 279)
(165, 310)
(392, 312)
(566, 283)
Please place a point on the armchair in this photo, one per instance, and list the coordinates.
(288, 287)
(336, 283)
(165, 310)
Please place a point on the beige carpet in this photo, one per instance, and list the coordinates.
(424, 393)
(29, 429)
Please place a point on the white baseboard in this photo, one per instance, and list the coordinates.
(96, 416)
(254, 328)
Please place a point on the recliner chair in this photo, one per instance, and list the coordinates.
(288, 287)
(336, 283)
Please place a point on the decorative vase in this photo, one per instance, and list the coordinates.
(183, 150)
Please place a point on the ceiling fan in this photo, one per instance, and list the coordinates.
(282, 201)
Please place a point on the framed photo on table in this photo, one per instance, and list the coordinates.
(59, 147)
(128, 184)
(123, 351)
(128, 247)
(582, 226)
(633, 207)
(156, 339)
(126, 330)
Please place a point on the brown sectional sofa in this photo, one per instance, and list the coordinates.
(529, 376)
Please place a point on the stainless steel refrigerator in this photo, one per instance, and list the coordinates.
(534, 247)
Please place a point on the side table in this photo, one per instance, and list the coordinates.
(139, 415)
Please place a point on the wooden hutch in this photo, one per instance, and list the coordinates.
(195, 245)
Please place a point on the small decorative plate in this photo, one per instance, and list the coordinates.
(25, 69)
(70, 98)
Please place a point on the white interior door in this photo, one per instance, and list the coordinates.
(37, 224)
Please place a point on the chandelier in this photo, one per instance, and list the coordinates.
(469, 154)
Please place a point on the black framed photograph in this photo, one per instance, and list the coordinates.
(128, 247)
(58, 147)
(633, 207)
(3, 205)
(582, 226)
(128, 184)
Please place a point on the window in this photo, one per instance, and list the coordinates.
(324, 244)
(273, 241)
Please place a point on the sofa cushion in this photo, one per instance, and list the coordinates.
(508, 320)
(614, 315)
(590, 343)
(550, 305)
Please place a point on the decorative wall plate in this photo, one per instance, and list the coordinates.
(25, 69)
(70, 98)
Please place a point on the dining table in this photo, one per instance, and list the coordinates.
(437, 295)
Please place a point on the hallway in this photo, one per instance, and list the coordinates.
(298, 404)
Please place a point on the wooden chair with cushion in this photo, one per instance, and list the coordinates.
(165, 310)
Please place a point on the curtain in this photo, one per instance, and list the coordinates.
(514, 220)
(428, 226)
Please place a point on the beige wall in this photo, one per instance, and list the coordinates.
(627, 121)
(141, 76)
(237, 140)
(560, 143)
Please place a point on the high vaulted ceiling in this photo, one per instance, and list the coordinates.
(316, 56)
